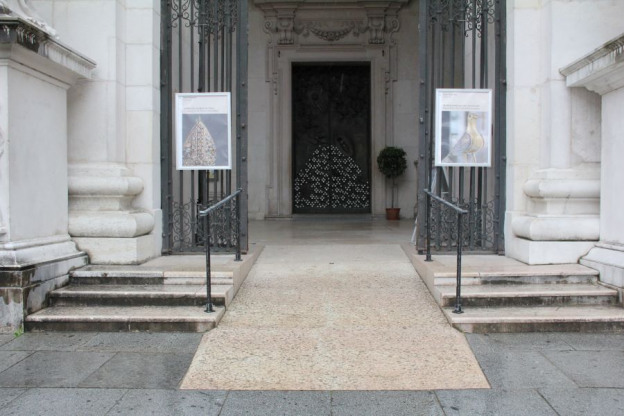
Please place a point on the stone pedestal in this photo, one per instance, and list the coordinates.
(102, 220)
(602, 71)
(36, 252)
(562, 223)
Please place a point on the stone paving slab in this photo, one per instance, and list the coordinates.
(494, 403)
(10, 358)
(277, 403)
(583, 402)
(9, 394)
(48, 341)
(136, 370)
(395, 403)
(53, 369)
(63, 402)
(319, 324)
(4, 338)
(587, 369)
(593, 342)
(519, 369)
(170, 402)
(484, 344)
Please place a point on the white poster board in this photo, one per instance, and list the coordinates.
(203, 131)
(463, 134)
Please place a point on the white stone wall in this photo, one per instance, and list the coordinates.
(553, 132)
(36, 138)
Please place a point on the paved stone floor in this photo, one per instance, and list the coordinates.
(140, 373)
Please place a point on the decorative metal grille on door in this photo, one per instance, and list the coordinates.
(331, 138)
(462, 46)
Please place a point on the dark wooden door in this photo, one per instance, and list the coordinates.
(331, 138)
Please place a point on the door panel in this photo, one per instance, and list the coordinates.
(331, 138)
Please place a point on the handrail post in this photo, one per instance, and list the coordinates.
(460, 243)
(209, 307)
(238, 234)
(428, 226)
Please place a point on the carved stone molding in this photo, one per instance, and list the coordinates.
(23, 10)
(601, 71)
(293, 22)
(14, 30)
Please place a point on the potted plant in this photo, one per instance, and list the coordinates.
(392, 163)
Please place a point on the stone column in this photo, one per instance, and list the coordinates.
(36, 252)
(603, 72)
(553, 178)
(114, 142)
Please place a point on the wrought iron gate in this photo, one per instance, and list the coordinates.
(331, 138)
(462, 45)
(203, 49)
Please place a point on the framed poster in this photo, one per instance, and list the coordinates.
(203, 131)
(463, 134)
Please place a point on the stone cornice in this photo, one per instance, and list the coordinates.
(17, 31)
(601, 71)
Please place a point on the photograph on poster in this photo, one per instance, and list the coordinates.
(463, 127)
(203, 131)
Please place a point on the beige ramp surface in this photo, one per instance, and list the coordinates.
(334, 317)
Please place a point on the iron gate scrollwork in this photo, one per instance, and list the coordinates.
(203, 49)
(462, 45)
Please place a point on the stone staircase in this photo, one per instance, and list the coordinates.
(168, 294)
(500, 294)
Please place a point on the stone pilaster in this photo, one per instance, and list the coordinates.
(36, 253)
(602, 71)
(553, 137)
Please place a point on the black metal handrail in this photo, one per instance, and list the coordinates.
(460, 243)
(206, 214)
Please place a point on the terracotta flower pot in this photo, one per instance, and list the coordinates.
(392, 214)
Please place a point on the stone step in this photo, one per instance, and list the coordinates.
(569, 318)
(119, 276)
(140, 295)
(529, 295)
(553, 276)
(127, 318)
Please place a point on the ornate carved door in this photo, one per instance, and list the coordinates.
(331, 138)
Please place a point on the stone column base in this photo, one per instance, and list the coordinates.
(29, 271)
(562, 220)
(111, 250)
(546, 252)
(609, 261)
(102, 220)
